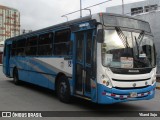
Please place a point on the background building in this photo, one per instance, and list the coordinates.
(148, 10)
(136, 7)
(9, 23)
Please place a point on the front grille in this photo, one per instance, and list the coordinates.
(127, 88)
(127, 71)
(119, 80)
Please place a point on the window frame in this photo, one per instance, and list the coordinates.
(31, 46)
(15, 49)
(19, 47)
(41, 45)
(63, 42)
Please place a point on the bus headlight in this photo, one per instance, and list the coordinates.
(106, 81)
(153, 79)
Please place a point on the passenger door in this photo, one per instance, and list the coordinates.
(6, 59)
(83, 62)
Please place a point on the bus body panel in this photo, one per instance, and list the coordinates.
(106, 96)
(42, 71)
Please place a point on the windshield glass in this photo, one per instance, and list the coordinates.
(124, 49)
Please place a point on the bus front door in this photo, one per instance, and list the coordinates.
(83, 63)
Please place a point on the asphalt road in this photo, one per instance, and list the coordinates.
(27, 97)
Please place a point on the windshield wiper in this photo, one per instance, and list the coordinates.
(137, 45)
(140, 38)
(122, 37)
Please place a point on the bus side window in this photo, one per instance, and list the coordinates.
(31, 46)
(14, 45)
(45, 46)
(62, 42)
(21, 47)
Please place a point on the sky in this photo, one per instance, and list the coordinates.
(37, 14)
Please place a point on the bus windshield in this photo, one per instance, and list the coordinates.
(125, 49)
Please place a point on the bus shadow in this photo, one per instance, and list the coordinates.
(81, 103)
(36, 88)
(103, 107)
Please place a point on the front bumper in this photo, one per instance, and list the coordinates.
(113, 95)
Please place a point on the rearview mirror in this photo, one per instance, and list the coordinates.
(100, 36)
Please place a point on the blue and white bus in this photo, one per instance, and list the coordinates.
(104, 58)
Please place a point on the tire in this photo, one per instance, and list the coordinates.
(15, 77)
(63, 89)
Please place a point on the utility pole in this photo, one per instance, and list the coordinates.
(80, 8)
(122, 7)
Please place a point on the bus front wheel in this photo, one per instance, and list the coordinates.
(15, 77)
(63, 89)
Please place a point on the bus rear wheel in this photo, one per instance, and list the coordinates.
(15, 77)
(63, 89)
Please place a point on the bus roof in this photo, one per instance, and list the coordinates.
(65, 24)
(83, 19)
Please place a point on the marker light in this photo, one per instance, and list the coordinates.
(106, 81)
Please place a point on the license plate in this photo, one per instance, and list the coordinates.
(133, 94)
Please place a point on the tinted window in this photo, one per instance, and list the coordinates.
(45, 46)
(45, 39)
(31, 48)
(21, 43)
(32, 41)
(14, 44)
(61, 42)
(20, 50)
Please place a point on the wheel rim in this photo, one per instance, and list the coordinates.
(63, 89)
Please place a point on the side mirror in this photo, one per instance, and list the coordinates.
(100, 36)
